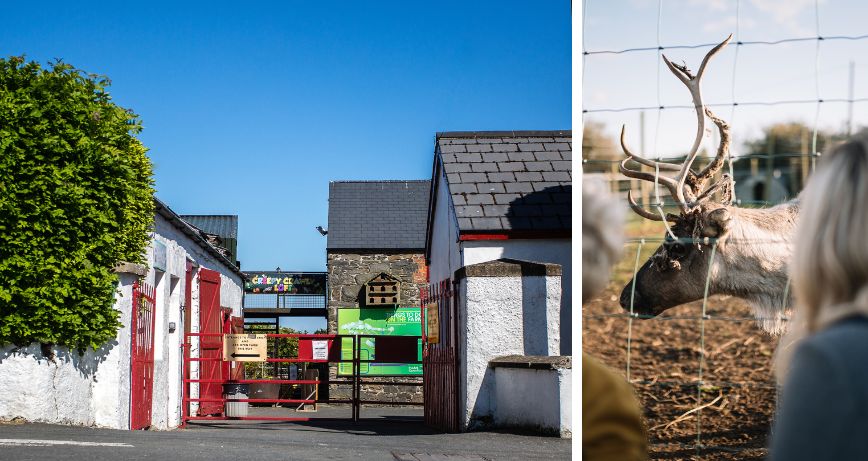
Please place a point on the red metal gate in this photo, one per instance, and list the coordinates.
(142, 356)
(390, 350)
(440, 360)
(210, 347)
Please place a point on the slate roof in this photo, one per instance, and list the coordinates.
(377, 215)
(224, 226)
(503, 181)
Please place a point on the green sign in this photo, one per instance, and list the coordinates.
(392, 321)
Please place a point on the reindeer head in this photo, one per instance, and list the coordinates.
(677, 271)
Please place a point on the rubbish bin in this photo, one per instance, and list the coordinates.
(236, 391)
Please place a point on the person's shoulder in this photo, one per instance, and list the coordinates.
(849, 335)
(840, 348)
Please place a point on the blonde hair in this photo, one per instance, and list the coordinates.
(602, 236)
(830, 258)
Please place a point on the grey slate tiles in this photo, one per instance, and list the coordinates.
(509, 180)
(377, 215)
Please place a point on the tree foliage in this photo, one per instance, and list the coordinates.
(599, 151)
(76, 197)
(790, 138)
(286, 348)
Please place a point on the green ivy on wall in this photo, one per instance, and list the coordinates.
(76, 197)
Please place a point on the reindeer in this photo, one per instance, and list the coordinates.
(751, 246)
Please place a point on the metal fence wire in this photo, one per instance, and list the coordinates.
(704, 316)
(803, 162)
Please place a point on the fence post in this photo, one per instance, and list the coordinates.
(632, 313)
(357, 391)
(702, 347)
(185, 404)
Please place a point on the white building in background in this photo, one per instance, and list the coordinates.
(502, 194)
(499, 229)
(94, 389)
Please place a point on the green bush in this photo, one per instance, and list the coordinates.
(76, 197)
(286, 348)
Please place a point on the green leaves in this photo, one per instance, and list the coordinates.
(76, 197)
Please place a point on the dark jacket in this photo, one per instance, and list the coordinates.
(823, 411)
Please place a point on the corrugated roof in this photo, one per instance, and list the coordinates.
(184, 227)
(224, 226)
(509, 180)
(380, 215)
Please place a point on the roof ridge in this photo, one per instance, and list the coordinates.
(496, 134)
(377, 181)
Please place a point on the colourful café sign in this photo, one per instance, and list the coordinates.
(298, 283)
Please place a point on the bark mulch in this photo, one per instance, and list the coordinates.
(737, 391)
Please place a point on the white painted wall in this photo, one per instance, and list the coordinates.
(534, 399)
(91, 389)
(448, 254)
(94, 389)
(166, 408)
(555, 251)
(502, 316)
(565, 379)
(445, 255)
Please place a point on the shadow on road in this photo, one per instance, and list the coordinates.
(374, 421)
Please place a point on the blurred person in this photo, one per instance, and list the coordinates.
(822, 361)
(611, 417)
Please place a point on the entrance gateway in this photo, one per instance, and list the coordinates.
(253, 351)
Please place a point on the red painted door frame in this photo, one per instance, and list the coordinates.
(188, 316)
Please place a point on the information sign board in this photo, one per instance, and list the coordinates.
(391, 321)
(432, 318)
(245, 348)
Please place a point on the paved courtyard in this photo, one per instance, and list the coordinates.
(383, 434)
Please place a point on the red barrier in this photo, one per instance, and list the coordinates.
(305, 355)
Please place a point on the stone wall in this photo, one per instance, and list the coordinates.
(347, 275)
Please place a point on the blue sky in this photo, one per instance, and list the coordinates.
(789, 71)
(253, 110)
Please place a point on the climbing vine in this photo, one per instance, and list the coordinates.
(76, 197)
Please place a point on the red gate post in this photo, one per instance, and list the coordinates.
(135, 375)
(142, 326)
(185, 401)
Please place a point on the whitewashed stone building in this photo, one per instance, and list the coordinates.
(499, 237)
(94, 389)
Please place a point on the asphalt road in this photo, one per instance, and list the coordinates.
(377, 437)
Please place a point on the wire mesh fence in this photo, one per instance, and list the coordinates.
(703, 370)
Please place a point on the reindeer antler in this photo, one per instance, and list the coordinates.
(686, 186)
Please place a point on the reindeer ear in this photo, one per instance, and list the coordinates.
(716, 223)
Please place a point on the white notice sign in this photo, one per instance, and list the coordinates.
(320, 350)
